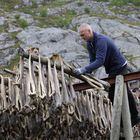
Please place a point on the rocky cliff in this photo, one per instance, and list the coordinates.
(52, 26)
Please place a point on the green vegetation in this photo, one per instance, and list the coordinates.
(58, 3)
(87, 10)
(17, 17)
(79, 3)
(12, 63)
(104, 0)
(119, 2)
(22, 23)
(131, 59)
(2, 29)
(64, 18)
(44, 20)
(8, 5)
(136, 2)
(61, 20)
(43, 11)
(122, 2)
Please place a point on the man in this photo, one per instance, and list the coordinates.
(103, 52)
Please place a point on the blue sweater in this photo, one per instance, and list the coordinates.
(103, 51)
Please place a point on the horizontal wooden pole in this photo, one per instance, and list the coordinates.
(66, 70)
(127, 77)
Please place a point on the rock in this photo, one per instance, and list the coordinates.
(2, 21)
(6, 41)
(27, 2)
(67, 42)
(6, 55)
(13, 28)
(55, 40)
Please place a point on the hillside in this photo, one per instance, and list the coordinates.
(52, 26)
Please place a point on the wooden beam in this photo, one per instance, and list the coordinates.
(45, 62)
(127, 77)
(117, 107)
(127, 128)
(69, 71)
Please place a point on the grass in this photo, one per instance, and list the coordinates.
(122, 2)
(80, 3)
(87, 10)
(119, 2)
(136, 2)
(124, 11)
(22, 23)
(13, 62)
(130, 59)
(43, 11)
(44, 20)
(8, 5)
(2, 29)
(62, 20)
(123, 21)
(32, 10)
(58, 3)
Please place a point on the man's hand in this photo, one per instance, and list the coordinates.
(79, 71)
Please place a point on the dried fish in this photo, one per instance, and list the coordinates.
(3, 94)
(40, 103)
(41, 85)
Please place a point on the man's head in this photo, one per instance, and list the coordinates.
(85, 31)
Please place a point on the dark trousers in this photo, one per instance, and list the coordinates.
(132, 105)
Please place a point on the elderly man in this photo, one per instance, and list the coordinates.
(103, 52)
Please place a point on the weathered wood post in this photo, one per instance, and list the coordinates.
(117, 107)
(126, 116)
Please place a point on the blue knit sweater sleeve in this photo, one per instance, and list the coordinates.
(98, 61)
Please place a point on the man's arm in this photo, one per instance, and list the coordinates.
(101, 50)
(91, 54)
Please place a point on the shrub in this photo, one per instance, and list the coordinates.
(17, 17)
(43, 11)
(22, 23)
(80, 3)
(119, 2)
(123, 2)
(136, 2)
(87, 10)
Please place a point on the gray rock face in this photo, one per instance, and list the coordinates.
(6, 41)
(2, 21)
(87, 6)
(31, 2)
(7, 52)
(55, 40)
(67, 42)
(24, 16)
(6, 55)
(126, 37)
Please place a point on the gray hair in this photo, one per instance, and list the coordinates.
(85, 26)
